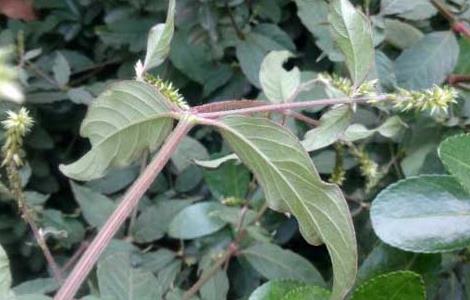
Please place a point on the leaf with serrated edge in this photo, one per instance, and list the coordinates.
(278, 84)
(401, 285)
(308, 292)
(125, 120)
(291, 184)
(159, 40)
(275, 289)
(455, 154)
(424, 214)
(353, 35)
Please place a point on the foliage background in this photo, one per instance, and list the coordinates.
(215, 55)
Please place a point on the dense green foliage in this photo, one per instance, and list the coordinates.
(367, 199)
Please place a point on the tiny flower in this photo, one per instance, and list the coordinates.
(167, 89)
(435, 99)
(16, 126)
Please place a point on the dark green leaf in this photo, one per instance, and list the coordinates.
(423, 214)
(455, 154)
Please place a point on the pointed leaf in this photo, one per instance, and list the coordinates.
(402, 285)
(159, 40)
(275, 289)
(273, 262)
(353, 35)
(291, 184)
(332, 126)
(428, 61)
(455, 154)
(125, 120)
(278, 84)
(423, 214)
(118, 280)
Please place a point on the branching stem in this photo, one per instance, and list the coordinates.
(122, 212)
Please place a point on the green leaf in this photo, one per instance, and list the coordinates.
(273, 262)
(389, 129)
(217, 162)
(332, 126)
(423, 214)
(159, 40)
(188, 150)
(216, 287)
(119, 281)
(95, 207)
(196, 221)
(412, 10)
(251, 52)
(275, 289)
(231, 179)
(307, 293)
(353, 34)
(291, 184)
(61, 70)
(400, 34)
(153, 222)
(402, 285)
(385, 71)
(125, 120)
(314, 16)
(463, 63)
(455, 154)
(5, 275)
(278, 84)
(428, 61)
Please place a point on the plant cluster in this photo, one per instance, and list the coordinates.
(235, 150)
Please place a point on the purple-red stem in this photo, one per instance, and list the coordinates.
(292, 105)
(124, 209)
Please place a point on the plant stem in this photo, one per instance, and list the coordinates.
(124, 209)
(291, 105)
(457, 25)
(17, 192)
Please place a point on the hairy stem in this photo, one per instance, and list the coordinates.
(291, 105)
(122, 212)
(28, 216)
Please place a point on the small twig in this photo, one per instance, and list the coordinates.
(43, 75)
(83, 246)
(233, 22)
(457, 25)
(301, 117)
(17, 192)
(453, 79)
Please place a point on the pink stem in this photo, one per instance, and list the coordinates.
(125, 208)
(291, 105)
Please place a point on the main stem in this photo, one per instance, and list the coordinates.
(122, 212)
(291, 105)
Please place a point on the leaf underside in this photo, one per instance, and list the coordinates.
(291, 184)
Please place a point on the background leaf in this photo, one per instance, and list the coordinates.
(423, 214)
(403, 285)
(273, 262)
(353, 34)
(195, 221)
(454, 153)
(122, 122)
(278, 84)
(428, 61)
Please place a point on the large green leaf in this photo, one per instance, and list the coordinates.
(402, 285)
(412, 10)
(125, 120)
(463, 63)
(278, 84)
(159, 40)
(118, 280)
(428, 61)
(423, 214)
(332, 126)
(273, 262)
(291, 184)
(455, 154)
(275, 289)
(353, 35)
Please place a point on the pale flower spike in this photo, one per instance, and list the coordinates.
(16, 126)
